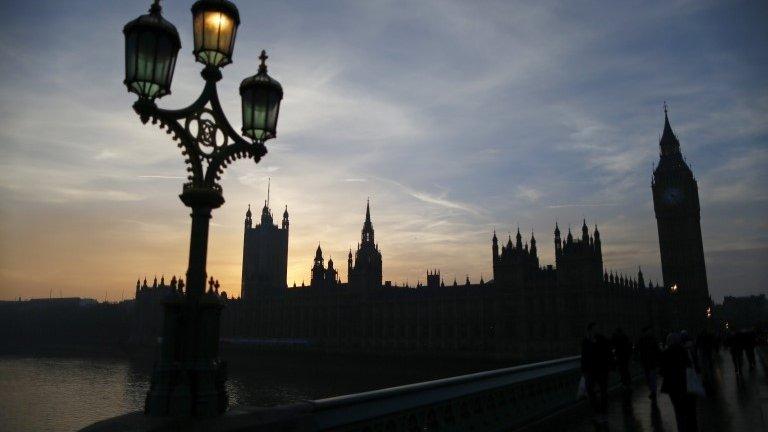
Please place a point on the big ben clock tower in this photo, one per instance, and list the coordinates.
(676, 204)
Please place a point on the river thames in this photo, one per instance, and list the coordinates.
(56, 393)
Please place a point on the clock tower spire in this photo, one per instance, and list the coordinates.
(676, 204)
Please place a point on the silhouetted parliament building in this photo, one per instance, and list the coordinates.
(527, 311)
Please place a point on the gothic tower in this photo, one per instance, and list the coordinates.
(676, 204)
(265, 255)
(365, 274)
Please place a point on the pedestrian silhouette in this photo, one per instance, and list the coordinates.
(595, 364)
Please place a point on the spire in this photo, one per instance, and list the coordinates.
(285, 213)
(318, 252)
(557, 230)
(668, 143)
(367, 235)
(269, 185)
(518, 239)
(494, 236)
(584, 231)
(248, 213)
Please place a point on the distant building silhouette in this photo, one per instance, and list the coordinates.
(265, 254)
(322, 277)
(527, 311)
(678, 215)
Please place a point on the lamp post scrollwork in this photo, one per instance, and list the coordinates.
(188, 378)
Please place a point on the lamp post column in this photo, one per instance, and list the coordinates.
(202, 201)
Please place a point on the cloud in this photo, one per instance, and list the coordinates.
(439, 200)
(162, 177)
(455, 118)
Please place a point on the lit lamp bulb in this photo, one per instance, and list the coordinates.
(215, 27)
(673, 288)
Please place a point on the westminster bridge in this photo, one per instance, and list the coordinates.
(535, 397)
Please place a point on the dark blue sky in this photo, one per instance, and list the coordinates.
(454, 117)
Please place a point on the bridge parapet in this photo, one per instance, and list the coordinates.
(487, 401)
(495, 400)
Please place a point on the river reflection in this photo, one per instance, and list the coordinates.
(64, 393)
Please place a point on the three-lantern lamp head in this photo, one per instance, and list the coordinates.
(152, 45)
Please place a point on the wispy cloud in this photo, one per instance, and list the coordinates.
(166, 177)
(439, 200)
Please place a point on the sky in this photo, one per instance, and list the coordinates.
(455, 118)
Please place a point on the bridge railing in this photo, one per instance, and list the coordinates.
(493, 400)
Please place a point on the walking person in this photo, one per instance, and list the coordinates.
(648, 349)
(622, 350)
(595, 364)
(749, 342)
(674, 362)
(706, 345)
(735, 347)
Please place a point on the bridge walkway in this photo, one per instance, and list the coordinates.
(732, 405)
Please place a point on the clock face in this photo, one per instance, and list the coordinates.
(672, 196)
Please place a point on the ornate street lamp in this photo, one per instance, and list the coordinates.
(188, 378)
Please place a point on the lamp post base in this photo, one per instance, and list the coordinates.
(188, 379)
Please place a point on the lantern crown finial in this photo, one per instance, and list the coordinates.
(155, 8)
(263, 57)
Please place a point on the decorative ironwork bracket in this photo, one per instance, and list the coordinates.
(206, 139)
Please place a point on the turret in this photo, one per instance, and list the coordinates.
(533, 244)
(569, 239)
(248, 219)
(285, 218)
(598, 246)
(518, 239)
(495, 246)
(584, 232)
(266, 215)
(349, 263)
(640, 278)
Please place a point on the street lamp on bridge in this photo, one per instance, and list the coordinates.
(188, 378)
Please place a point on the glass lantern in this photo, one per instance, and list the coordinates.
(151, 47)
(215, 25)
(261, 96)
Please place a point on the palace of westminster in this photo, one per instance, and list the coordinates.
(526, 312)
